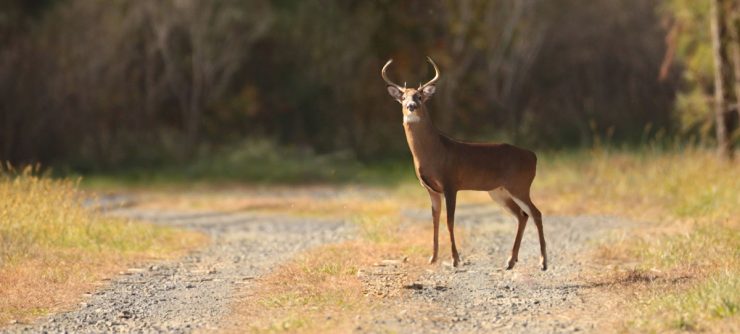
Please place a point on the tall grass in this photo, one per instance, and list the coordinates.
(52, 247)
(651, 183)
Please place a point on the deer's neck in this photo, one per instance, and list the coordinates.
(424, 141)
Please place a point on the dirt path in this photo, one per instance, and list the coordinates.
(481, 296)
(196, 292)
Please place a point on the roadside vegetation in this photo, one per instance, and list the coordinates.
(683, 263)
(257, 162)
(53, 248)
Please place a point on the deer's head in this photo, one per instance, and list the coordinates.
(411, 99)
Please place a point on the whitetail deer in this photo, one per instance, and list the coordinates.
(445, 166)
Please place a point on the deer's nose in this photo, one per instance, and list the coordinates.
(411, 106)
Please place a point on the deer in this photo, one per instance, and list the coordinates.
(445, 166)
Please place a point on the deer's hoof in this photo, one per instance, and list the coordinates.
(543, 263)
(432, 259)
(511, 263)
(455, 262)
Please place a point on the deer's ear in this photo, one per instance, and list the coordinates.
(395, 93)
(427, 92)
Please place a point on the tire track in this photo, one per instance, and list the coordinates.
(194, 292)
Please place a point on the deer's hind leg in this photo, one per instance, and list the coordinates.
(508, 203)
(522, 199)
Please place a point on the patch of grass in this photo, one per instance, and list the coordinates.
(647, 184)
(257, 162)
(715, 297)
(317, 292)
(692, 202)
(320, 291)
(310, 293)
(710, 255)
(52, 248)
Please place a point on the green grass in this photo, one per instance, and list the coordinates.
(707, 258)
(258, 162)
(714, 298)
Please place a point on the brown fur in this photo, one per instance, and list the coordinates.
(445, 166)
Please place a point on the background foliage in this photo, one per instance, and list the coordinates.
(105, 84)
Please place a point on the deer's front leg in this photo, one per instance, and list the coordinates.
(450, 201)
(517, 242)
(436, 208)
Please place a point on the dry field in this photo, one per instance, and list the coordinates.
(667, 260)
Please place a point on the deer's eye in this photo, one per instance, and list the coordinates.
(416, 97)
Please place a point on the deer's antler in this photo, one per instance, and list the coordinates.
(436, 74)
(385, 76)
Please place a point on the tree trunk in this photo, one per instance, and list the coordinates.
(733, 24)
(719, 48)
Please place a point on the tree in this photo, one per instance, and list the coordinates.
(724, 47)
(202, 44)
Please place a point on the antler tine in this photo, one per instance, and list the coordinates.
(436, 74)
(385, 77)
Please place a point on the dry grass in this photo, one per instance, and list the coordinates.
(690, 184)
(52, 249)
(311, 292)
(322, 291)
(682, 268)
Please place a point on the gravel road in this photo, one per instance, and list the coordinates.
(482, 297)
(195, 292)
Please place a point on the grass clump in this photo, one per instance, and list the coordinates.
(52, 248)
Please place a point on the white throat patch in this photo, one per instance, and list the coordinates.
(411, 118)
